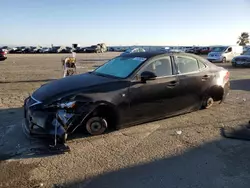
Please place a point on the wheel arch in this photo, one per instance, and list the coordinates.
(109, 111)
(216, 92)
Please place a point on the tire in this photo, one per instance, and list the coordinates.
(96, 125)
(207, 102)
(62, 139)
(224, 60)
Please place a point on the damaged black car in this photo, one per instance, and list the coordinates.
(127, 90)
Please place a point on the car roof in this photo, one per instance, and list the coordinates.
(157, 53)
(143, 54)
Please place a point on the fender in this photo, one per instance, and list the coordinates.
(214, 91)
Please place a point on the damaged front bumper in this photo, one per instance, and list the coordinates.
(42, 124)
(54, 123)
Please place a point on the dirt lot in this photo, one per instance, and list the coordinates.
(148, 155)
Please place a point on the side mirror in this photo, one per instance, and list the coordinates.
(147, 75)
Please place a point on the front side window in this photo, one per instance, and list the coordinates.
(161, 67)
(186, 64)
(229, 49)
(120, 67)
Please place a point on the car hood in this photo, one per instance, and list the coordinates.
(243, 57)
(69, 85)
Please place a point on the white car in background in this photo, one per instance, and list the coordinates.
(224, 54)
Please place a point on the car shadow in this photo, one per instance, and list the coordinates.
(26, 81)
(243, 84)
(219, 163)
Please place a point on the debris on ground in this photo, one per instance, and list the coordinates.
(179, 132)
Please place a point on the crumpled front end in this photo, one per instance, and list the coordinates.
(53, 121)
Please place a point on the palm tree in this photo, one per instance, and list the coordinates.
(243, 39)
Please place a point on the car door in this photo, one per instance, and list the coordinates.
(229, 54)
(155, 98)
(193, 77)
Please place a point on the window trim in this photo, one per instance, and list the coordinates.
(203, 64)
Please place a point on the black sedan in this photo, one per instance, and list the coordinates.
(242, 60)
(127, 90)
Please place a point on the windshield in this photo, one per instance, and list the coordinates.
(219, 49)
(120, 67)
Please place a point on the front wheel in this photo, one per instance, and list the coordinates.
(62, 139)
(224, 60)
(96, 125)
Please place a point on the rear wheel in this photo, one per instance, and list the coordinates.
(207, 102)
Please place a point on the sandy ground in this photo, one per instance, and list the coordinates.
(148, 155)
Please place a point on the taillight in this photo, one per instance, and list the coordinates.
(226, 77)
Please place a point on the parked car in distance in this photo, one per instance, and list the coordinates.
(176, 49)
(91, 49)
(127, 90)
(224, 54)
(242, 60)
(246, 48)
(133, 50)
(205, 50)
(5, 48)
(194, 50)
(164, 49)
(3, 54)
(44, 50)
(99, 48)
(187, 48)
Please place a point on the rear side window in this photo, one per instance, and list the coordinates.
(201, 65)
(186, 64)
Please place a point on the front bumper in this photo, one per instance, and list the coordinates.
(2, 58)
(38, 122)
(214, 60)
(241, 63)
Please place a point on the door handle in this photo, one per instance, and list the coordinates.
(172, 84)
(205, 77)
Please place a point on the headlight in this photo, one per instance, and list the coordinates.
(60, 104)
(67, 104)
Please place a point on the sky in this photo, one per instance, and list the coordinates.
(123, 22)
